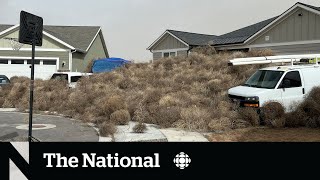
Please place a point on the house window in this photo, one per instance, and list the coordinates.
(4, 61)
(169, 54)
(172, 54)
(17, 61)
(35, 61)
(49, 62)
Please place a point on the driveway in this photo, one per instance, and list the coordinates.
(47, 128)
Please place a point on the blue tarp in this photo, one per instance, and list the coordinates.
(108, 65)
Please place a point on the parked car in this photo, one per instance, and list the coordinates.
(284, 84)
(4, 80)
(71, 77)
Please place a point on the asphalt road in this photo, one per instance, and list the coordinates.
(60, 129)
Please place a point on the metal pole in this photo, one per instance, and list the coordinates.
(31, 92)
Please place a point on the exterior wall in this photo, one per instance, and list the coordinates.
(80, 61)
(157, 55)
(47, 43)
(182, 53)
(293, 28)
(63, 56)
(169, 42)
(295, 49)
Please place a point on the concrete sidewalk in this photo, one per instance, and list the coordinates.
(155, 134)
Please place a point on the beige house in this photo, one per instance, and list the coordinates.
(65, 48)
(295, 31)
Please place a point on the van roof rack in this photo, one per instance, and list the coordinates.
(302, 58)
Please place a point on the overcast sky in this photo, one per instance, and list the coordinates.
(130, 26)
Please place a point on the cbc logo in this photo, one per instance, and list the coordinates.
(182, 160)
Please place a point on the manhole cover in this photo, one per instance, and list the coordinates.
(36, 126)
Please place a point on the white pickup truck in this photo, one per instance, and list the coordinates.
(284, 84)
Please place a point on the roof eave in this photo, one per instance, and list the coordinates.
(167, 31)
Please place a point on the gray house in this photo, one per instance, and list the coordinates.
(295, 31)
(65, 48)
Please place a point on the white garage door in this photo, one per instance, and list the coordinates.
(44, 67)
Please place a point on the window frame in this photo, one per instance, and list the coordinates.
(170, 52)
(284, 77)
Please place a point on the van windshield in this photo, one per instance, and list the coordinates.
(264, 79)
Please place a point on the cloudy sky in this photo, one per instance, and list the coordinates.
(130, 26)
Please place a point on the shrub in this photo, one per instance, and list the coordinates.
(273, 115)
(187, 92)
(120, 117)
(194, 118)
(250, 115)
(205, 50)
(106, 129)
(139, 128)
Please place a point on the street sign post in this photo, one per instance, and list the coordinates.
(31, 27)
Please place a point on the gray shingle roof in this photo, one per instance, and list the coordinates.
(80, 37)
(4, 27)
(193, 39)
(310, 6)
(241, 35)
(234, 37)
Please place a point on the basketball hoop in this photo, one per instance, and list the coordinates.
(14, 42)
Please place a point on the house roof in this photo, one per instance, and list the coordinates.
(193, 38)
(79, 37)
(310, 6)
(4, 27)
(241, 35)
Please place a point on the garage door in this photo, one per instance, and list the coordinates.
(44, 68)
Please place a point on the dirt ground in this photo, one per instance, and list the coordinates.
(262, 134)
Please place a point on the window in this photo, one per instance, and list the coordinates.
(60, 77)
(264, 79)
(75, 78)
(49, 62)
(35, 61)
(166, 55)
(17, 61)
(169, 54)
(293, 79)
(4, 61)
(172, 54)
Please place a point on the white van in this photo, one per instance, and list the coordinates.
(71, 77)
(284, 84)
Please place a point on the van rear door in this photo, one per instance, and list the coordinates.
(292, 89)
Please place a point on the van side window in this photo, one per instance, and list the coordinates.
(75, 78)
(294, 78)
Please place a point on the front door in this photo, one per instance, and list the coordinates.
(292, 89)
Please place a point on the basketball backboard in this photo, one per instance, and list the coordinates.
(31, 27)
